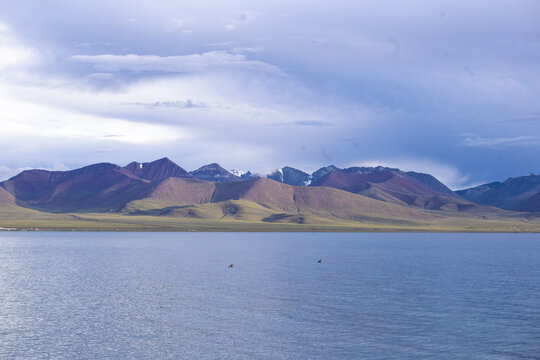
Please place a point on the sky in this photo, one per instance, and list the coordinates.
(450, 88)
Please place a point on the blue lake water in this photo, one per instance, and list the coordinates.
(173, 296)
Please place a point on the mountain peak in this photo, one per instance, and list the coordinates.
(521, 193)
(163, 160)
(97, 187)
(214, 172)
(212, 166)
(290, 176)
(431, 182)
(323, 171)
(157, 170)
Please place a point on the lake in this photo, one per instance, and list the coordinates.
(84, 295)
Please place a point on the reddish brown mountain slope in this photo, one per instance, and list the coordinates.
(99, 187)
(6, 198)
(261, 190)
(340, 195)
(285, 199)
(183, 191)
(391, 186)
(157, 170)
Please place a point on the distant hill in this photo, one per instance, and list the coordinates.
(331, 196)
(266, 200)
(431, 182)
(426, 179)
(391, 185)
(322, 172)
(290, 176)
(274, 201)
(157, 170)
(518, 194)
(6, 198)
(99, 187)
(214, 172)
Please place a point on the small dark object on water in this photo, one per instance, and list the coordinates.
(319, 261)
(232, 265)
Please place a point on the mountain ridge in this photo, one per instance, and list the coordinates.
(97, 187)
(520, 193)
(157, 170)
(214, 172)
(330, 194)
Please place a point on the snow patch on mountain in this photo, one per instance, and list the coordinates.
(237, 172)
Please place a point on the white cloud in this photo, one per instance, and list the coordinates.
(222, 43)
(12, 52)
(474, 66)
(212, 60)
(241, 50)
(193, 117)
(174, 24)
(49, 121)
(243, 18)
(58, 166)
(7, 172)
(498, 142)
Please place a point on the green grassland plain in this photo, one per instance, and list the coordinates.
(18, 218)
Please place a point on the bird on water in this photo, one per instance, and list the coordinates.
(319, 261)
(232, 265)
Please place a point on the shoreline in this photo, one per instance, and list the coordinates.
(278, 230)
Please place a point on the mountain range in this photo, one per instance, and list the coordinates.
(517, 194)
(356, 196)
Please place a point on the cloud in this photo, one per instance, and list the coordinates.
(92, 44)
(240, 19)
(58, 166)
(54, 120)
(395, 78)
(177, 25)
(222, 43)
(312, 123)
(524, 119)
(174, 24)
(7, 172)
(182, 104)
(212, 60)
(500, 142)
(12, 52)
(192, 117)
(241, 50)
